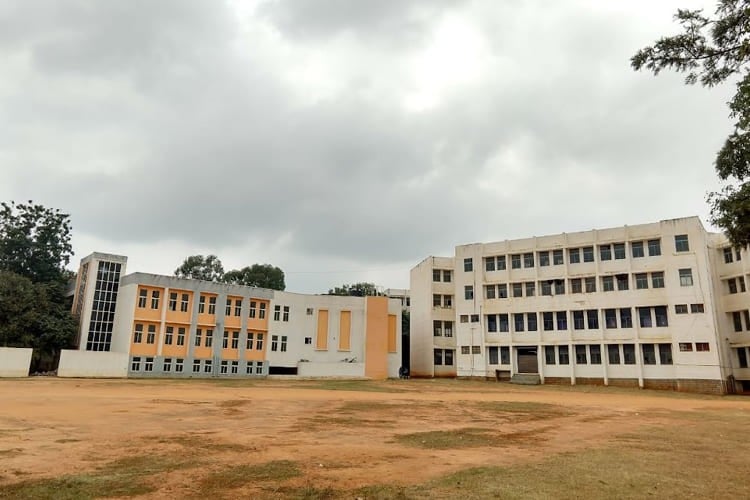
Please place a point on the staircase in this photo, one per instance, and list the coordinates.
(526, 379)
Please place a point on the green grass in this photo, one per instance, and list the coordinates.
(236, 476)
(468, 437)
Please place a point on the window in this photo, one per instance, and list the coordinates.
(142, 298)
(518, 322)
(581, 357)
(686, 277)
(549, 354)
(202, 304)
(737, 320)
(465, 349)
(468, 265)
(502, 291)
(732, 284)
(196, 365)
(686, 347)
(588, 254)
(515, 261)
(225, 341)
(548, 321)
(252, 309)
(559, 287)
(702, 347)
(562, 320)
(285, 316)
(172, 301)
(251, 339)
(578, 322)
(503, 322)
(179, 365)
(149, 365)
(531, 321)
(557, 257)
(696, 308)
(274, 342)
(135, 364)
(155, 299)
(224, 367)
(491, 323)
(448, 328)
(728, 255)
(447, 276)
(544, 259)
(592, 319)
(641, 281)
(464, 318)
(207, 366)
(649, 355)
(259, 342)
(576, 285)
(209, 338)
(741, 357)
(469, 292)
(546, 287)
(741, 281)
(660, 314)
(436, 300)
(610, 318)
(528, 260)
(212, 305)
(438, 357)
(605, 252)
(608, 284)
(437, 328)
(138, 333)
(448, 353)
(489, 291)
(681, 243)
(747, 319)
(574, 255)
(636, 249)
(595, 353)
(168, 335)
(622, 282)
(235, 340)
(475, 349)
(680, 309)
(492, 354)
(619, 250)
(198, 337)
(504, 355)
(628, 354)
(283, 343)
(235, 366)
(436, 275)
(657, 280)
(501, 263)
(613, 354)
(590, 284)
(644, 317)
(475, 318)
(530, 288)
(654, 248)
(517, 289)
(308, 340)
(181, 336)
(228, 308)
(151, 336)
(185, 302)
(238, 307)
(665, 354)
(626, 318)
(489, 263)
(276, 313)
(562, 352)
(262, 310)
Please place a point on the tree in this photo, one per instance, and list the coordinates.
(34, 241)
(363, 289)
(710, 50)
(198, 267)
(259, 275)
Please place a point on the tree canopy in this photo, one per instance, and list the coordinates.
(260, 275)
(199, 267)
(363, 289)
(710, 50)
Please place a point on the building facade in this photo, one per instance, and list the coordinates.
(660, 305)
(168, 326)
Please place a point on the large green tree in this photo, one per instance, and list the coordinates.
(710, 50)
(260, 275)
(200, 267)
(362, 289)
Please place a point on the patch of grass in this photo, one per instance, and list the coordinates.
(523, 410)
(237, 476)
(200, 443)
(468, 437)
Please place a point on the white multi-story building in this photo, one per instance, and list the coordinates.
(662, 305)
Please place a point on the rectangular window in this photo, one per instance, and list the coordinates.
(515, 261)
(252, 309)
(610, 318)
(468, 265)
(492, 353)
(628, 353)
(285, 316)
(501, 263)
(172, 301)
(262, 310)
(225, 341)
(562, 320)
(518, 322)
(686, 347)
(489, 291)
(468, 292)
(549, 354)
(557, 257)
(576, 285)
(489, 264)
(238, 307)
(517, 289)
(728, 255)
(732, 285)
(196, 365)
(436, 275)
(250, 340)
(665, 354)
(544, 259)
(590, 284)
(546, 287)
(437, 357)
(588, 254)
(491, 323)
(209, 338)
(613, 354)
(437, 328)
(181, 336)
(636, 249)
(138, 333)
(702, 347)
(283, 343)
(448, 301)
(136, 364)
(448, 353)
(696, 308)
(235, 366)
(202, 304)
(657, 280)
(581, 356)
(259, 342)
(235, 340)
(681, 243)
(155, 299)
(574, 255)
(559, 287)
(436, 300)
(563, 355)
(686, 277)
(578, 322)
(605, 252)
(274, 342)
(660, 314)
(464, 318)
(531, 321)
(465, 349)
(149, 365)
(530, 288)
(528, 260)
(619, 251)
(151, 336)
(447, 276)
(622, 282)
(207, 366)
(548, 321)
(608, 284)
(179, 365)
(185, 302)
(680, 308)
(644, 317)
(228, 308)
(475, 349)
(649, 355)
(276, 313)
(595, 352)
(747, 319)
(741, 357)
(448, 328)
(502, 291)
(504, 355)
(592, 319)
(737, 320)
(503, 323)
(741, 281)
(308, 340)
(654, 248)
(168, 335)
(212, 306)
(641, 281)
(224, 367)
(142, 298)
(626, 318)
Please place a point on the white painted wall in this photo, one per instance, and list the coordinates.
(336, 370)
(14, 362)
(74, 363)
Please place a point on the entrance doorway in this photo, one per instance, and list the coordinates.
(527, 360)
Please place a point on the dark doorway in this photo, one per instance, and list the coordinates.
(527, 360)
(282, 370)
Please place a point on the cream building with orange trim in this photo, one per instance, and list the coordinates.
(165, 326)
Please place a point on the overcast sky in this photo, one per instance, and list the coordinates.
(345, 140)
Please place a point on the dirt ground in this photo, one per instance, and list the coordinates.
(342, 435)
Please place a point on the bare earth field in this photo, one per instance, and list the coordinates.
(358, 439)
